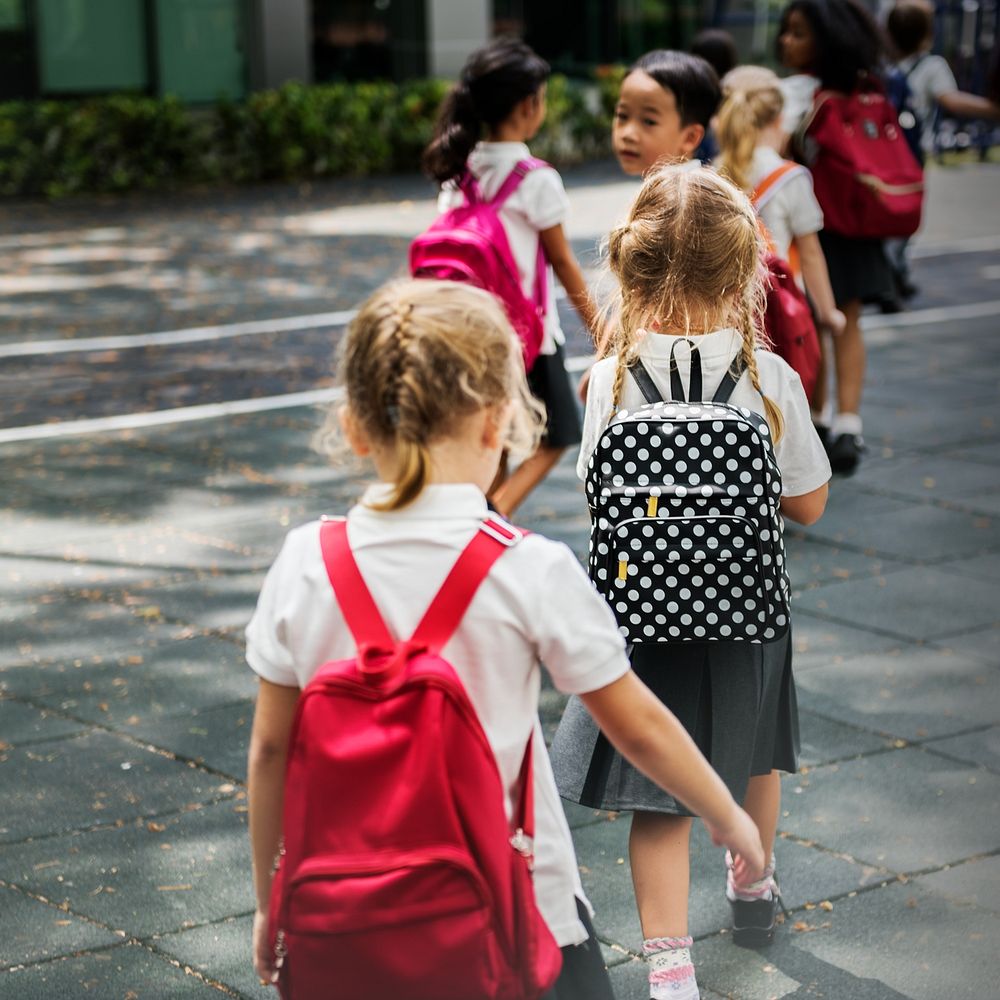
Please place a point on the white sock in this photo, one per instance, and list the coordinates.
(846, 423)
(763, 888)
(671, 973)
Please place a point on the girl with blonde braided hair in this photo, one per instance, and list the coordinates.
(689, 269)
(434, 392)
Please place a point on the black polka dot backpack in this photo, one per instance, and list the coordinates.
(686, 542)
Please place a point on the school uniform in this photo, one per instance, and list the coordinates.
(540, 202)
(536, 605)
(737, 700)
(789, 208)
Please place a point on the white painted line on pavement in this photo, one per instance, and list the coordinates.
(167, 338)
(968, 244)
(177, 415)
(211, 411)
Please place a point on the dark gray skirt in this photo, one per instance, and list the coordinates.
(737, 700)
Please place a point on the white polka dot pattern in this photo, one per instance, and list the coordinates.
(686, 543)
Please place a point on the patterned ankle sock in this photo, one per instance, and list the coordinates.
(764, 888)
(671, 974)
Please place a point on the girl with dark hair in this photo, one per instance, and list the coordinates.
(835, 45)
(498, 105)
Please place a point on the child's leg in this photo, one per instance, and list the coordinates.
(511, 493)
(849, 361)
(659, 851)
(763, 803)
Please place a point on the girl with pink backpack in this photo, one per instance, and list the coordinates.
(479, 156)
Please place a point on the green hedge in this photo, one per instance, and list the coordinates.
(134, 143)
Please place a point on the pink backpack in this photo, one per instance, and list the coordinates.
(469, 243)
(400, 874)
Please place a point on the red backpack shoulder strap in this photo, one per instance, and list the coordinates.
(513, 180)
(445, 613)
(353, 596)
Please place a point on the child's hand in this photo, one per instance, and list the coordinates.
(740, 835)
(834, 321)
(263, 954)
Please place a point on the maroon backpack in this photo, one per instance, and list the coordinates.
(788, 319)
(867, 180)
(399, 874)
(469, 243)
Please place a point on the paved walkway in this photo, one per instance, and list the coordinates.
(129, 563)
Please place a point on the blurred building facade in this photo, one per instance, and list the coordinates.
(202, 50)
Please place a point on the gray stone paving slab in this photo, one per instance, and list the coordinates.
(94, 778)
(216, 737)
(976, 883)
(31, 931)
(222, 951)
(917, 942)
(920, 603)
(812, 563)
(913, 694)
(807, 875)
(21, 724)
(128, 971)
(983, 567)
(825, 740)
(147, 877)
(819, 643)
(938, 478)
(981, 748)
(984, 644)
(987, 452)
(909, 531)
(926, 428)
(168, 675)
(906, 810)
(19, 575)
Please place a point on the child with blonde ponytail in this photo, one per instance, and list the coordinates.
(688, 265)
(750, 135)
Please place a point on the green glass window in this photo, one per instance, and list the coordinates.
(200, 48)
(91, 45)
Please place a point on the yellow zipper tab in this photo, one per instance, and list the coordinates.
(651, 504)
(622, 569)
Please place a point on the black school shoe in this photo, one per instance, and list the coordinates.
(845, 452)
(754, 920)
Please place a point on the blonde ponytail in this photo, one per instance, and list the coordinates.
(752, 100)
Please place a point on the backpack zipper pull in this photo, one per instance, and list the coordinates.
(280, 949)
(623, 569)
(651, 505)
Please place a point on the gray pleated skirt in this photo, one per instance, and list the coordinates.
(737, 700)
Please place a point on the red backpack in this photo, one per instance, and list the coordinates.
(866, 178)
(788, 319)
(399, 873)
(469, 243)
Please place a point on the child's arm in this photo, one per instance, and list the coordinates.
(272, 725)
(649, 735)
(817, 279)
(560, 256)
(807, 508)
(966, 105)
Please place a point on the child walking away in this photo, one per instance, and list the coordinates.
(865, 178)
(920, 84)
(750, 137)
(687, 498)
(501, 93)
(411, 765)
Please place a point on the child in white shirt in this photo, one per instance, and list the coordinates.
(501, 92)
(435, 391)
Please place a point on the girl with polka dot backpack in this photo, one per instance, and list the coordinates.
(697, 443)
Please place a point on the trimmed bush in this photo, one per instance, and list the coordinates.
(136, 143)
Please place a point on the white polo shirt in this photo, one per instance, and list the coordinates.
(790, 208)
(536, 605)
(540, 202)
(799, 454)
